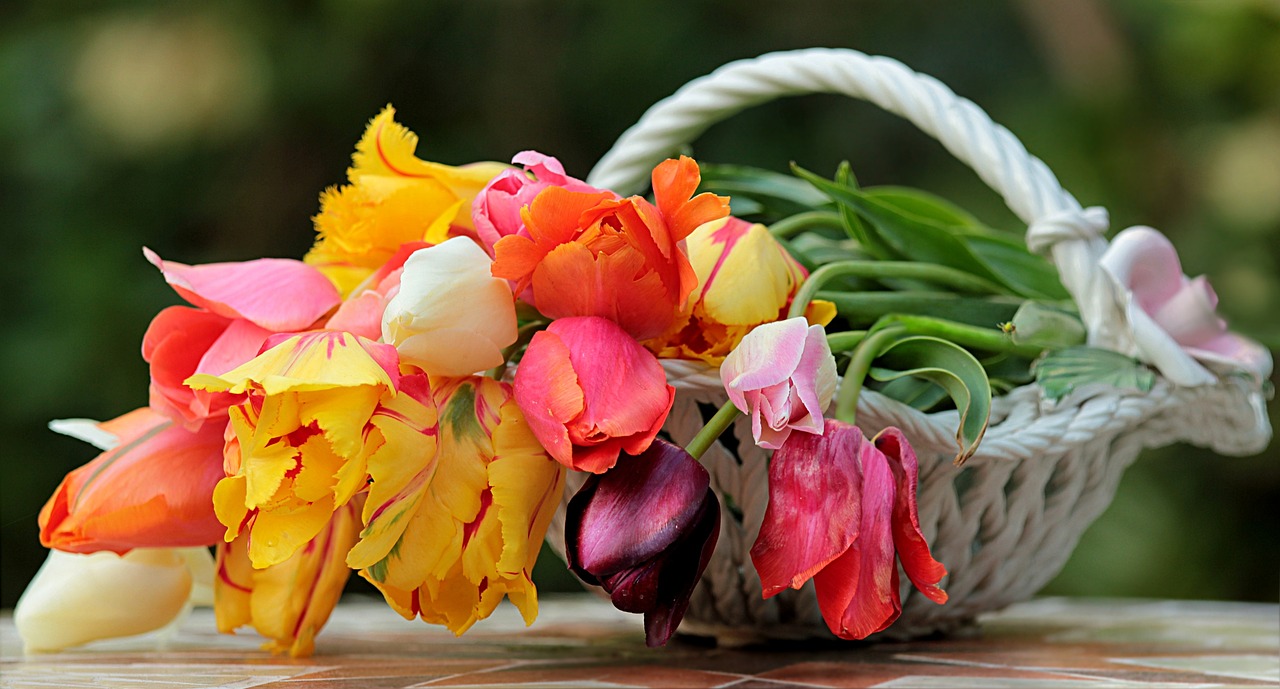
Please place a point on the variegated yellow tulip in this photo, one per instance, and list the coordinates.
(745, 278)
(287, 602)
(394, 199)
(299, 444)
(446, 540)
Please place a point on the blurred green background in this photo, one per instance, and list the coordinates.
(207, 131)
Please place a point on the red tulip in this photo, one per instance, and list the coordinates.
(840, 506)
(644, 531)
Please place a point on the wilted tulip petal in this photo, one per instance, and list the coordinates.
(644, 531)
(783, 376)
(450, 317)
(1171, 318)
(75, 599)
(590, 391)
(840, 506)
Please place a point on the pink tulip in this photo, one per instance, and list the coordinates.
(496, 209)
(783, 375)
(840, 506)
(1172, 318)
(589, 391)
(239, 305)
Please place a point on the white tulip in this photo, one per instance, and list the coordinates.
(75, 599)
(451, 317)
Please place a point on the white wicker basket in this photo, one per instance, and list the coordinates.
(1004, 524)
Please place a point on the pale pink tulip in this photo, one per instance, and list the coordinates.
(1172, 317)
(782, 374)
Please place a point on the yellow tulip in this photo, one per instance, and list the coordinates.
(745, 278)
(394, 199)
(299, 445)
(446, 540)
(287, 602)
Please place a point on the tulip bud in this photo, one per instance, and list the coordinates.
(451, 317)
(644, 531)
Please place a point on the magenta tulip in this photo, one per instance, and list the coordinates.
(644, 531)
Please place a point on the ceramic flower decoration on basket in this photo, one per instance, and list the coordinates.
(923, 413)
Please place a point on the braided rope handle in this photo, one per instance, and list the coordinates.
(1058, 226)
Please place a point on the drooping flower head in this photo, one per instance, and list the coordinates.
(590, 392)
(394, 198)
(1171, 318)
(840, 507)
(591, 254)
(298, 451)
(446, 539)
(745, 278)
(783, 376)
(645, 531)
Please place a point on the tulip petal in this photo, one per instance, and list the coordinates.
(913, 551)
(814, 381)
(549, 394)
(682, 568)
(275, 293)
(154, 489)
(815, 503)
(310, 361)
(75, 599)
(767, 356)
(634, 511)
(858, 592)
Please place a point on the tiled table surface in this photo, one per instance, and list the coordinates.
(581, 642)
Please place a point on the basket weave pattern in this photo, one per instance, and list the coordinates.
(1006, 523)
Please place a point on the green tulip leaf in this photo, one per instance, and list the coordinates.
(761, 192)
(953, 369)
(1064, 370)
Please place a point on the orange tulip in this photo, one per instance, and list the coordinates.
(154, 489)
(590, 254)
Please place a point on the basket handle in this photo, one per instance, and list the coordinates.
(1057, 225)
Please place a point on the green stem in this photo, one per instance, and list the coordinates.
(961, 334)
(717, 425)
(845, 340)
(794, 225)
(859, 366)
(879, 270)
(868, 307)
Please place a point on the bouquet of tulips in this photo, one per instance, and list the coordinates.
(405, 401)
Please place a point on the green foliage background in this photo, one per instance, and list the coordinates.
(206, 131)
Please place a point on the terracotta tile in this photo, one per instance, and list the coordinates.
(855, 674)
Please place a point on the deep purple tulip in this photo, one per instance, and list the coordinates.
(644, 531)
